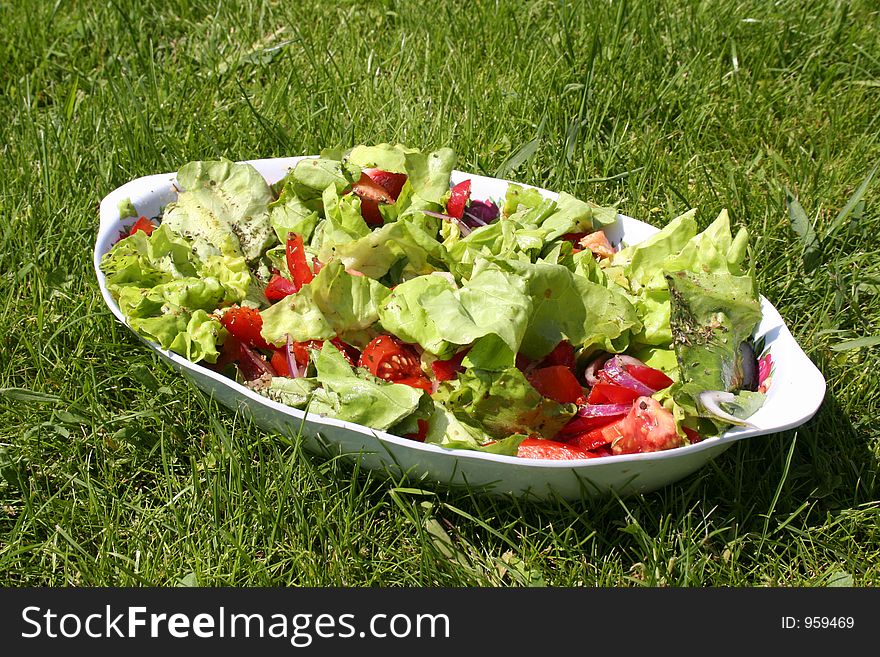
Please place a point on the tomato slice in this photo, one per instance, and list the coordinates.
(458, 199)
(279, 362)
(610, 393)
(446, 370)
(279, 287)
(557, 383)
(390, 359)
(598, 437)
(230, 351)
(367, 188)
(301, 351)
(245, 324)
(351, 354)
(692, 435)
(422, 434)
(538, 448)
(296, 261)
(370, 212)
(142, 224)
(392, 182)
(562, 354)
(420, 381)
(598, 243)
(651, 377)
(647, 428)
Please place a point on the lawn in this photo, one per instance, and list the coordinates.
(115, 471)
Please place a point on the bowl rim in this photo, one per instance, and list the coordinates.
(110, 225)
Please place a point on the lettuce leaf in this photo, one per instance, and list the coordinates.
(223, 209)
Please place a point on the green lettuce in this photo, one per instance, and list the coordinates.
(222, 209)
(504, 403)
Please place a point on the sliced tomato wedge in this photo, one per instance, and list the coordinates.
(367, 188)
(370, 212)
(458, 199)
(647, 428)
(651, 377)
(606, 392)
(302, 350)
(598, 243)
(279, 287)
(245, 324)
(279, 362)
(446, 370)
(388, 358)
(351, 354)
(538, 448)
(421, 381)
(297, 264)
(142, 224)
(392, 182)
(422, 434)
(230, 352)
(598, 437)
(557, 383)
(562, 354)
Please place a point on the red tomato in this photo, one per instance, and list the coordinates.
(245, 324)
(230, 351)
(458, 199)
(538, 448)
(649, 376)
(367, 188)
(422, 434)
(296, 261)
(606, 392)
(557, 383)
(420, 381)
(598, 437)
(144, 225)
(301, 351)
(692, 435)
(279, 287)
(351, 354)
(279, 362)
(390, 359)
(647, 428)
(574, 238)
(562, 354)
(370, 212)
(391, 182)
(445, 370)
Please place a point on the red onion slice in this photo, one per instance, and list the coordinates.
(603, 410)
(592, 371)
(615, 368)
(252, 365)
(291, 360)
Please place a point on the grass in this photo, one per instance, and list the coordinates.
(115, 471)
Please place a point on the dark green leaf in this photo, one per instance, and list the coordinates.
(801, 225)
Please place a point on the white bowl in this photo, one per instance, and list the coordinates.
(795, 394)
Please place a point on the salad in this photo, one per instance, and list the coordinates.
(367, 287)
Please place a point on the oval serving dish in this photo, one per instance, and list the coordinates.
(795, 393)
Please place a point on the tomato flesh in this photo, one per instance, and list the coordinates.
(296, 261)
(458, 199)
(446, 370)
(538, 448)
(557, 383)
(279, 362)
(245, 324)
(391, 182)
(390, 359)
(279, 287)
(648, 427)
(562, 354)
(142, 224)
(653, 378)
